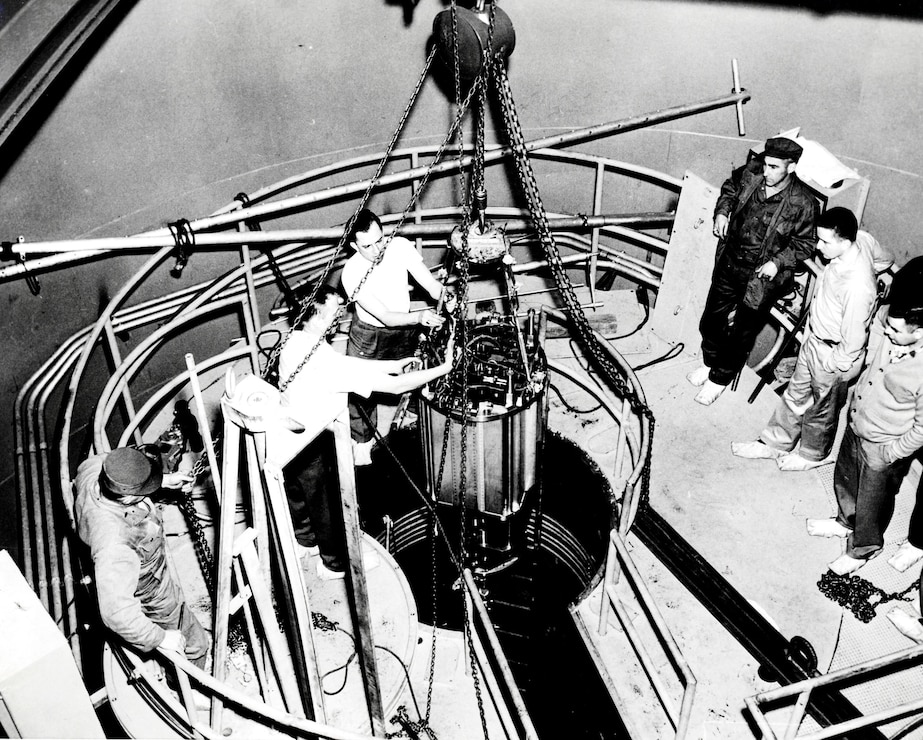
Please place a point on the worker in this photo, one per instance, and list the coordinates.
(885, 428)
(831, 355)
(140, 597)
(384, 327)
(313, 499)
(764, 221)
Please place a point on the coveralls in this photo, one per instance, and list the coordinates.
(139, 596)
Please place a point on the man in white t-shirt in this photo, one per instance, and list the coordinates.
(313, 383)
(377, 278)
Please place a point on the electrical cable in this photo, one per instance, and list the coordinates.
(574, 409)
(674, 351)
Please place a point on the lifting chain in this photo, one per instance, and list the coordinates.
(577, 318)
(362, 203)
(203, 552)
(409, 728)
(462, 339)
(406, 212)
(859, 595)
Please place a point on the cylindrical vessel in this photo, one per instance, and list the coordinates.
(503, 447)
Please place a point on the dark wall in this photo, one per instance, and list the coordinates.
(187, 104)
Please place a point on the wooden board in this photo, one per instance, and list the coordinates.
(688, 266)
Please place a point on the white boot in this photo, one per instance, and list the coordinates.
(698, 376)
(709, 393)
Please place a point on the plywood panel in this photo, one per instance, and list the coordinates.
(688, 266)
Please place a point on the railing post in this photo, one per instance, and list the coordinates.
(594, 236)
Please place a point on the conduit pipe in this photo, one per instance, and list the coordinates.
(321, 235)
(255, 212)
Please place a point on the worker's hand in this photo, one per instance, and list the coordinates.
(720, 227)
(173, 640)
(767, 271)
(450, 300)
(450, 351)
(178, 480)
(429, 318)
(408, 364)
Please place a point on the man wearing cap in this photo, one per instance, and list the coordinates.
(140, 598)
(831, 352)
(764, 221)
(885, 428)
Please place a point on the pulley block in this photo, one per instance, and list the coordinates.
(473, 32)
(484, 246)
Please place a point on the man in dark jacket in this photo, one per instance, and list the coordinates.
(764, 221)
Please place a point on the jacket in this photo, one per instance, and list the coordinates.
(789, 237)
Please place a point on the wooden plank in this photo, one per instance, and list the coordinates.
(355, 574)
(688, 267)
(256, 456)
(262, 600)
(227, 498)
(304, 655)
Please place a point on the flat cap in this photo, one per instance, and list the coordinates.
(906, 293)
(783, 148)
(129, 472)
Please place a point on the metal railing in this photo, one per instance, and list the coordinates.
(800, 695)
(619, 562)
(44, 479)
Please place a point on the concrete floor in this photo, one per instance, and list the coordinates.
(747, 518)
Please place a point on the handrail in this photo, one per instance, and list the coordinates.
(174, 312)
(493, 642)
(232, 214)
(618, 553)
(802, 690)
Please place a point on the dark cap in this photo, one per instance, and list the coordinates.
(128, 472)
(906, 293)
(782, 148)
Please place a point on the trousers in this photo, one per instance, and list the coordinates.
(728, 326)
(374, 343)
(866, 485)
(313, 491)
(811, 404)
(182, 618)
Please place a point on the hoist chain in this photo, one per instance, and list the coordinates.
(328, 267)
(406, 212)
(408, 726)
(578, 320)
(462, 339)
(859, 595)
(200, 546)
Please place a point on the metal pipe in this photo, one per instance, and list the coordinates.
(307, 236)
(494, 642)
(574, 137)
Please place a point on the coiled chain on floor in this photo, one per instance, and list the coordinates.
(577, 318)
(859, 595)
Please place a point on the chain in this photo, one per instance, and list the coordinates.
(578, 320)
(199, 542)
(859, 595)
(408, 726)
(277, 350)
(406, 212)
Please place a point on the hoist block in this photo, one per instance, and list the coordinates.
(481, 247)
(473, 33)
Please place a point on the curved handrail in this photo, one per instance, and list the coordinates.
(186, 307)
